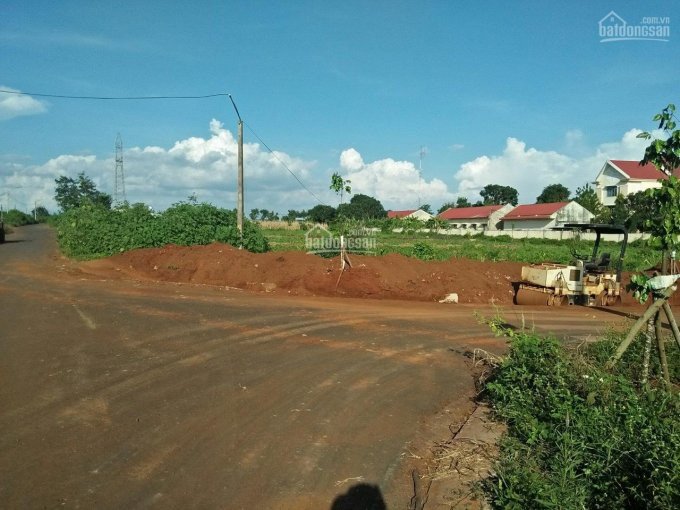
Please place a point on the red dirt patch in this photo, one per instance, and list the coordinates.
(297, 273)
(388, 277)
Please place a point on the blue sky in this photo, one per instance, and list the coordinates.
(516, 93)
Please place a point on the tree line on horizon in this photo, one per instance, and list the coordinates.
(630, 210)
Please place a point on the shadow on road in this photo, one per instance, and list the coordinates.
(360, 496)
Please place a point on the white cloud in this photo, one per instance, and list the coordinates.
(395, 183)
(16, 105)
(530, 170)
(160, 177)
(206, 166)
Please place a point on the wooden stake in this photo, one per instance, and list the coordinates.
(344, 261)
(672, 322)
(649, 333)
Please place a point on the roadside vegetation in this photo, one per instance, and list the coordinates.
(92, 231)
(88, 227)
(582, 436)
(584, 431)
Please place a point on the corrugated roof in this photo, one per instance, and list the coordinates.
(534, 211)
(400, 214)
(636, 171)
(464, 213)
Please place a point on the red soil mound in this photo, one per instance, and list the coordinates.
(296, 273)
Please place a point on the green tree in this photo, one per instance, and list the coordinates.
(495, 194)
(463, 202)
(293, 214)
(72, 193)
(445, 206)
(362, 207)
(641, 207)
(267, 215)
(665, 155)
(587, 198)
(553, 193)
(427, 208)
(322, 214)
(254, 213)
(340, 185)
(619, 213)
(41, 214)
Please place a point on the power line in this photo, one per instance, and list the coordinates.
(141, 98)
(284, 165)
(109, 98)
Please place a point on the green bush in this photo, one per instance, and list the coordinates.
(16, 218)
(422, 251)
(580, 436)
(93, 231)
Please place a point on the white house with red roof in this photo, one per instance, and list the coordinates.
(620, 177)
(545, 216)
(485, 217)
(418, 214)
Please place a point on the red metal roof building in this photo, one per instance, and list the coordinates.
(534, 211)
(545, 216)
(418, 214)
(400, 214)
(485, 217)
(457, 213)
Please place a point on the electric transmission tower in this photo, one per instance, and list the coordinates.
(119, 197)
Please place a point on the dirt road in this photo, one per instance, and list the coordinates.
(128, 394)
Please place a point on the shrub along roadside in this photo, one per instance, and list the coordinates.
(16, 218)
(91, 231)
(579, 436)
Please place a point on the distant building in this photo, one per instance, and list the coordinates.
(485, 217)
(418, 214)
(620, 177)
(545, 216)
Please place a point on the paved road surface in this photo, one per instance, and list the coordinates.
(121, 394)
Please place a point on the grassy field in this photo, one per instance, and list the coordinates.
(638, 256)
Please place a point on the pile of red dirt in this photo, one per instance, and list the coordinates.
(297, 273)
(388, 277)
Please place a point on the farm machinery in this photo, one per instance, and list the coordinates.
(589, 281)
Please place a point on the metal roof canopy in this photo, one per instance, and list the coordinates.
(598, 228)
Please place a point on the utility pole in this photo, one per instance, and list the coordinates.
(239, 197)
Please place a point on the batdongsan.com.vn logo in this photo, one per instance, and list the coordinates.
(613, 28)
(320, 240)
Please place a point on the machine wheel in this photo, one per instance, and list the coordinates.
(604, 299)
(613, 300)
(529, 297)
(557, 300)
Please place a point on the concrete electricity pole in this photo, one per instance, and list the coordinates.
(239, 199)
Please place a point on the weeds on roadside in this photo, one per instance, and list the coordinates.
(90, 232)
(578, 435)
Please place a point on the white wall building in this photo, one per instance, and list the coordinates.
(485, 217)
(620, 177)
(546, 216)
